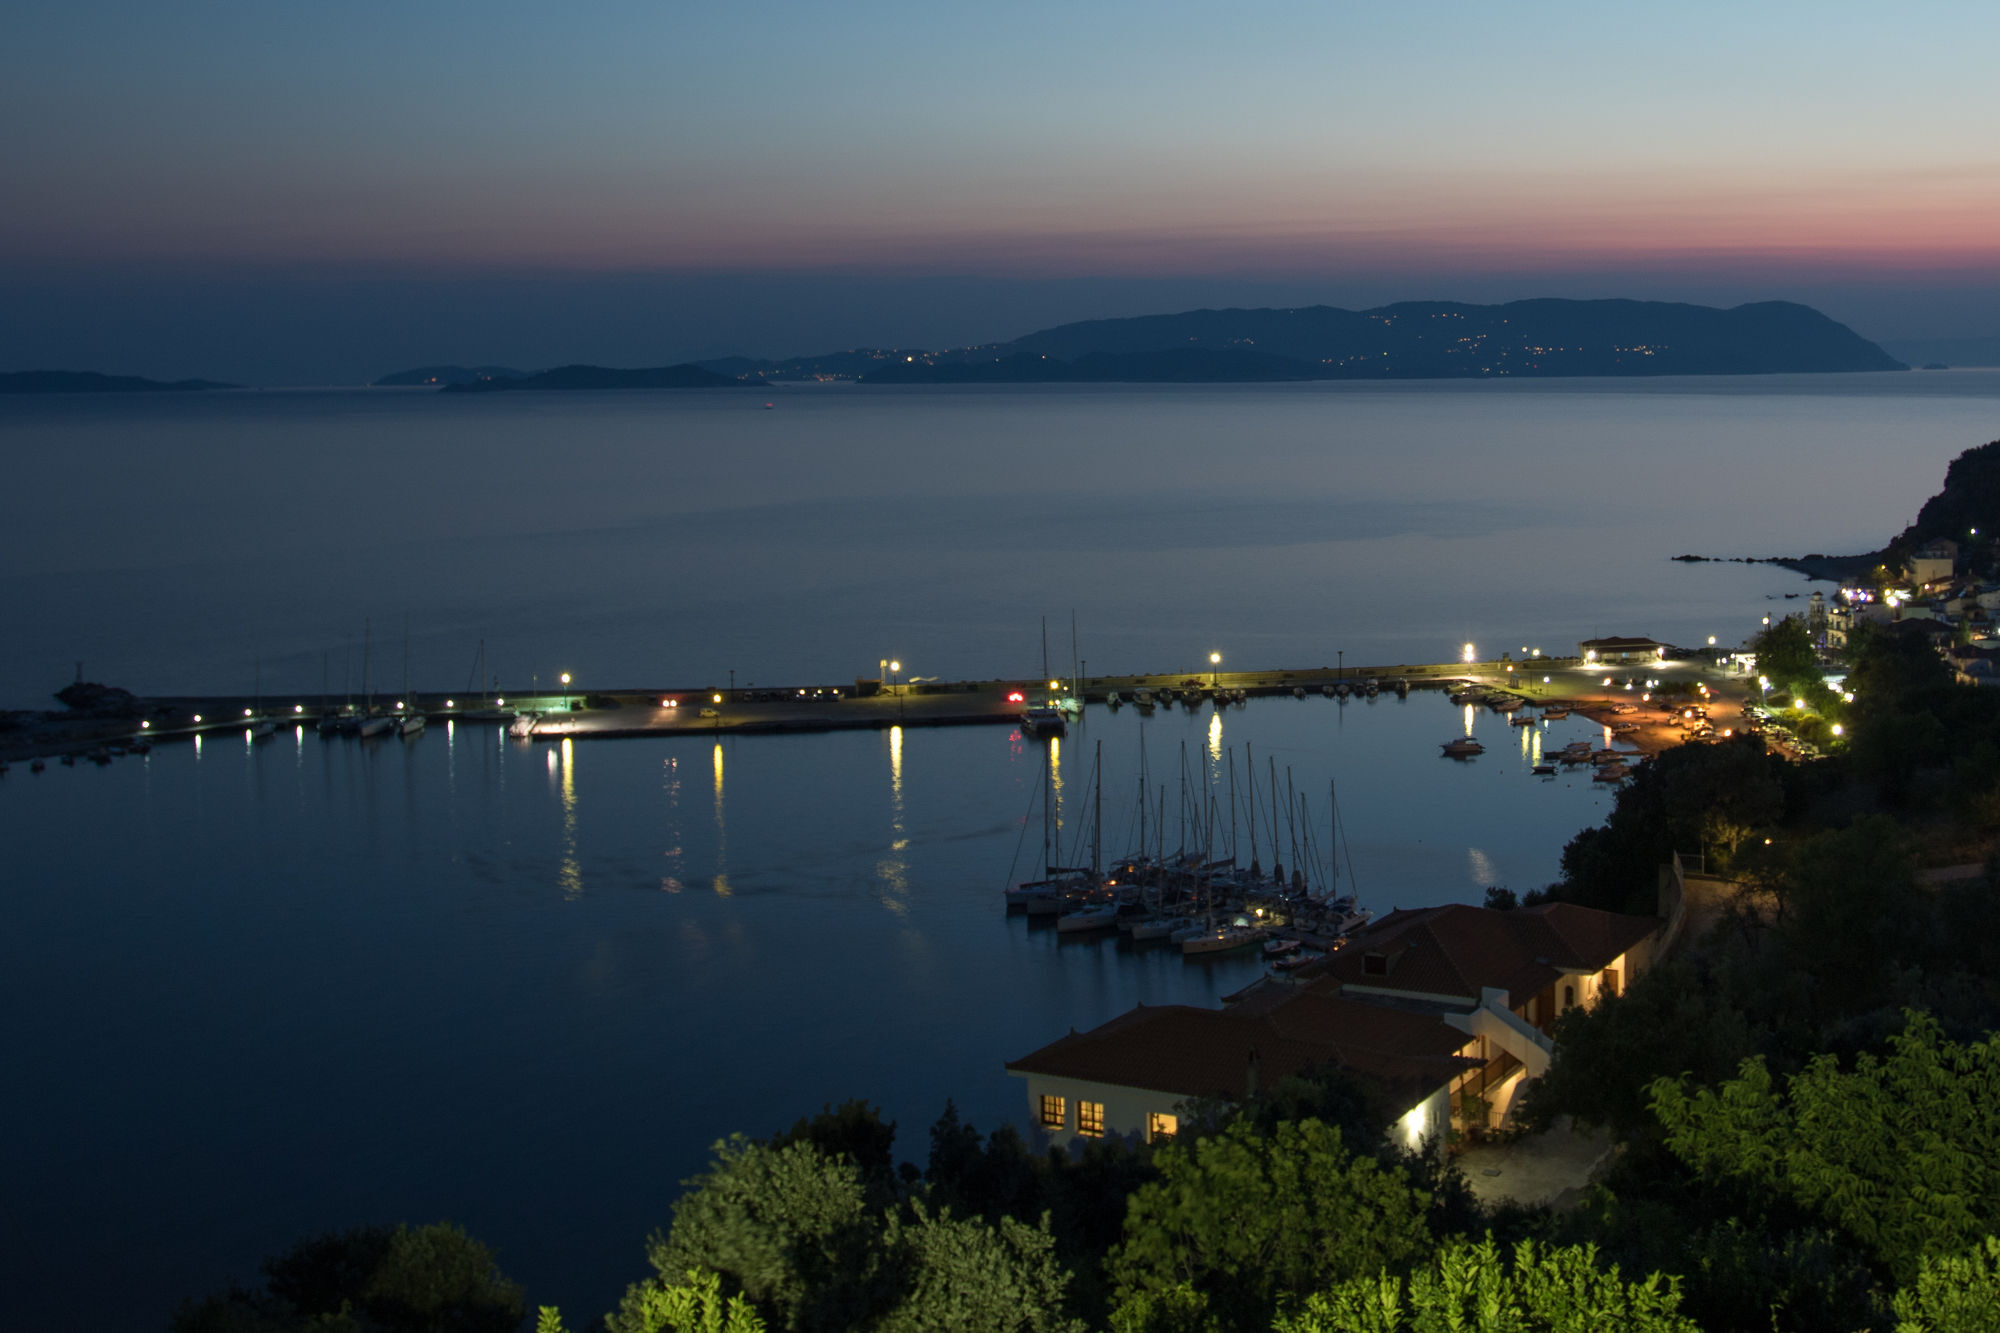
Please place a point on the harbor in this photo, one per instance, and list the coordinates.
(576, 712)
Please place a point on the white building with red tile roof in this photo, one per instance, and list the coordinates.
(1447, 1008)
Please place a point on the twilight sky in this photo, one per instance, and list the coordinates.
(288, 193)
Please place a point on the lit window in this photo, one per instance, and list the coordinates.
(1161, 1126)
(1090, 1118)
(1055, 1113)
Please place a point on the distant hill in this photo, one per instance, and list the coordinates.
(1417, 340)
(603, 377)
(447, 375)
(89, 381)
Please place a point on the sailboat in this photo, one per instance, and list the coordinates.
(372, 723)
(1044, 719)
(412, 723)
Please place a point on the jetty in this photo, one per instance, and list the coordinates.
(869, 704)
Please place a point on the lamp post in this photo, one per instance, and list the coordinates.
(896, 669)
(1214, 670)
(565, 685)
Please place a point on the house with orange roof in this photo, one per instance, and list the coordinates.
(1446, 1008)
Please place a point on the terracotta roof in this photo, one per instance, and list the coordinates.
(1194, 1052)
(1456, 950)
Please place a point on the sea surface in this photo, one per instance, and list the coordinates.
(254, 991)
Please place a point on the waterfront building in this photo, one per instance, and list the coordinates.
(1621, 651)
(1448, 1009)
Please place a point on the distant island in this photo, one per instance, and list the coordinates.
(89, 381)
(1410, 340)
(1414, 340)
(602, 377)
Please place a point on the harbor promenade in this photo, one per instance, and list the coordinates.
(867, 704)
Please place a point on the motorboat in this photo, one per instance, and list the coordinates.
(1043, 721)
(1463, 747)
(1112, 699)
(1545, 770)
(523, 725)
(1327, 690)
(1293, 962)
(375, 726)
(1522, 720)
(1298, 691)
(1553, 713)
(1279, 948)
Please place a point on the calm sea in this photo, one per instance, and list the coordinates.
(254, 991)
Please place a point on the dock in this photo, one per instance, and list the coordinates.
(603, 714)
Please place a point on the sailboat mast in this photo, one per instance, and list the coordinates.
(367, 657)
(1250, 772)
(1097, 816)
(1233, 803)
(1047, 760)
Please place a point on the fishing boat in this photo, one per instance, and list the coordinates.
(1522, 720)
(1553, 712)
(1463, 747)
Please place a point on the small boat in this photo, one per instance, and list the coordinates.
(1293, 962)
(69, 761)
(375, 726)
(523, 725)
(1279, 948)
(1113, 700)
(1545, 770)
(1046, 721)
(263, 729)
(412, 724)
(1552, 713)
(1220, 700)
(1522, 720)
(1373, 686)
(37, 765)
(1605, 756)
(1327, 690)
(1505, 703)
(1611, 773)
(1463, 747)
(1342, 690)
(1402, 689)
(1298, 691)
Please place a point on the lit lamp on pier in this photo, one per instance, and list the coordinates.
(1214, 670)
(1468, 653)
(896, 670)
(565, 685)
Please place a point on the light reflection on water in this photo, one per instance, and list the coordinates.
(409, 955)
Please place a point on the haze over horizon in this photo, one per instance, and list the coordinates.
(305, 199)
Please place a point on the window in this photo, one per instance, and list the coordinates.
(1610, 986)
(1569, 997)
(1055, 1112)
(1160, 1125)
(1090, 1118)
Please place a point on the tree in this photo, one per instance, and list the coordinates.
(1897, 1152)
(966, 1276)
(1240, 1222)
(1472, 1289)
(693, 1306)
(1669, 1022)
(1785, 654)
(432, 1279)
(787, 1227)
(1953, 1293)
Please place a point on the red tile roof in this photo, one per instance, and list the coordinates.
(1194, 1052)
(1456, 950)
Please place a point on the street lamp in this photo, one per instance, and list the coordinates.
(1468, 653)
(1214, 668)
(565, 685)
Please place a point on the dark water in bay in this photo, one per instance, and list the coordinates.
(258, 991)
